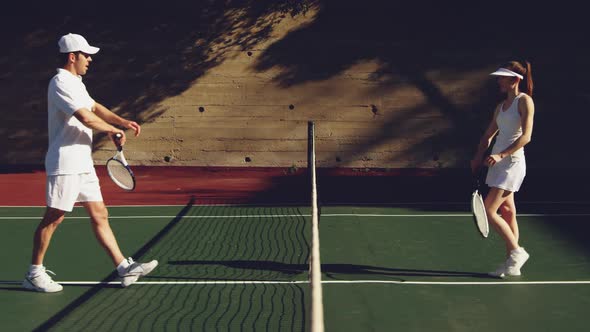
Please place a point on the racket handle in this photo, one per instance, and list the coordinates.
(118, 142)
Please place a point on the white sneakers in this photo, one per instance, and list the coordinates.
(136, 270)
(517, 258)
(41, 282)
(512, 266)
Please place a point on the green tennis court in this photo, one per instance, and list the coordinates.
(415, 267)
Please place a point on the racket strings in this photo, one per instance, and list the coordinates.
(479, 213)
(120, 175)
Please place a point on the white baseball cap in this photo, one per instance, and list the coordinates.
(74, 43)
(506, 72)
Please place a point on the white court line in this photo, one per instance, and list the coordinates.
(393, 204)
(336, 204)
(329, 215)
(201, 282)
(276, 282)
(184, 217)
(459, 283)
(452, 215)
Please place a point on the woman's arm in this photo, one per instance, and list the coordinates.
(485, 141)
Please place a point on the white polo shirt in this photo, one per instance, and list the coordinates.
(70, 142)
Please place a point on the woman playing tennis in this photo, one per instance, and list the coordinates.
(513, 122)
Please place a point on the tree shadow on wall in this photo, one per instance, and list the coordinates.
(148, 53)
(424, 44)
(152, 52)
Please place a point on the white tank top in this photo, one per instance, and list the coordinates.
(509, 127)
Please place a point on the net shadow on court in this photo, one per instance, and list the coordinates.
(94, 290)
(268, 299)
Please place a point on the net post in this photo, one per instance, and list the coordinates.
(310, 146)
(315, 273)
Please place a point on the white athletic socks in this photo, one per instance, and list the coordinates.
(35, 270)
(122, 267)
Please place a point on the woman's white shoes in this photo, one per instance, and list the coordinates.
(512, 266)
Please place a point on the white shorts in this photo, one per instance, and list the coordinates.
(63, 191)
(507, 174)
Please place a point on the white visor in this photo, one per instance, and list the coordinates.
(506, 72)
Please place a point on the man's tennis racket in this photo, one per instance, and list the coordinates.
(477, 207)
(118, 168)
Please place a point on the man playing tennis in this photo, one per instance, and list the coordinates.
(513, 124)
(71, 178)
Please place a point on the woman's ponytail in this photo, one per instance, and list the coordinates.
(528, 79)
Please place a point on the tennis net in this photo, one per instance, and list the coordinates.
(315, 273)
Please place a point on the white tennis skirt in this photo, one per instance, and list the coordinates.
(507, 174)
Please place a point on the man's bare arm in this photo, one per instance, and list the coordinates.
(94, 122)
(112, 118)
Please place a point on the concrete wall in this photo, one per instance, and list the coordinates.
(389, 85)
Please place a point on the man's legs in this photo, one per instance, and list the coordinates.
(128, 270)
(99, 217)
(51, 219)
(37, 278)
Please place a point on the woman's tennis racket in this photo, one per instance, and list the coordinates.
(477, 207)
(118, 168)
